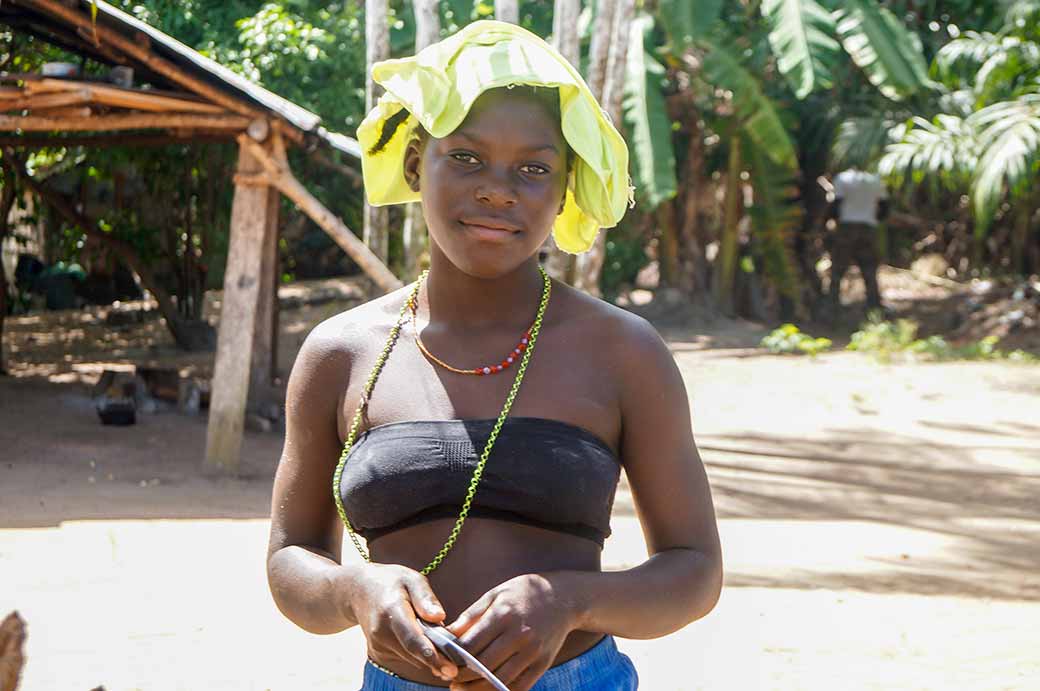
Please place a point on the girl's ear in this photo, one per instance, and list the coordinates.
(412, 159)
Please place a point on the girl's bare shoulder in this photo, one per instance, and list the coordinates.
(345, 337)
(616, 333)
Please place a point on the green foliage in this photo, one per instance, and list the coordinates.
(943, 152)
(1009, 136)
(775, 216)
(625, 257)
(886, 340)
(788, 339)
(889, 54)
(688, 20)
(802, 37)
(646, 119)
(758, 116)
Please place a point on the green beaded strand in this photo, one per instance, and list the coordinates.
(479, 470)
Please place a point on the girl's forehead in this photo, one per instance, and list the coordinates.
(516, 116)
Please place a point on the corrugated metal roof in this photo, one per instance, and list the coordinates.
(219, 76)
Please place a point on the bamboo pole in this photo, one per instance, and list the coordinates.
(140, 53)
(279, 175)
(133, 121)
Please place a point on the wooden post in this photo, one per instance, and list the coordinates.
(265, 336)
(243, 283)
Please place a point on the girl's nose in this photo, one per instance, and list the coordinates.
(496, 193)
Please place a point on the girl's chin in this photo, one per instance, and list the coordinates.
(487, 264)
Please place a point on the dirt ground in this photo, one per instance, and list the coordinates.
(881, 523)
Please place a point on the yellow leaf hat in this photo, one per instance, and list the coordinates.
(438, 86)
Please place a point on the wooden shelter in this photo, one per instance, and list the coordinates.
(188, 98)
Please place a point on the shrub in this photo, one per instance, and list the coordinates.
(789, 340)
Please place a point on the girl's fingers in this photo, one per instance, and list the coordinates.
(426, 604)
(416, 644)
(471, 614)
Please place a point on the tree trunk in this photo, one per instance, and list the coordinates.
(427, 32)
(507, 11)
(7, 198)
(610, 85)
(599, 50)
(693, 277)
(560, 264)
(726, 261)
(377, 48)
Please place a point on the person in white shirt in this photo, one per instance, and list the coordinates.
(860, 203)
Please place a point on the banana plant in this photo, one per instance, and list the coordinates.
(994, 152)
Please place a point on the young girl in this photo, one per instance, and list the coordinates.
(471, 426)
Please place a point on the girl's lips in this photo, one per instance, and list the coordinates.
(489, 233)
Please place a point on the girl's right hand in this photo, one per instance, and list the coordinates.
(386, 599)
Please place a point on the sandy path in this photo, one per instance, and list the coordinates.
(881, 527)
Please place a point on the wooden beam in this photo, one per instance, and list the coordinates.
(106, 123)
(238, 319)
(140, 53)
(137, 99)
(128, 140)
(77, 112)
(282, 178)
(52, 100)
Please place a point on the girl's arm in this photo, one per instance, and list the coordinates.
(308, 582)
(682, 579)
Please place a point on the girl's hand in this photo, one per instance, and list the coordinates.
(386, 599)
(516, 630)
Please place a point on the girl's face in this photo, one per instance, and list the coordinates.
(492, 188)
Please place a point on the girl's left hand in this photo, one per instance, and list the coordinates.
(516, 629)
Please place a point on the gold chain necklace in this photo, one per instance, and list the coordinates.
(478, 472)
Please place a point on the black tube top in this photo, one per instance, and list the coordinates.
(541, 472)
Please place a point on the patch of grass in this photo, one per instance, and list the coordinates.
(788, 339)
(886, 340)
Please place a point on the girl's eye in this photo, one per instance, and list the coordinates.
(535, 169)
(463, 157)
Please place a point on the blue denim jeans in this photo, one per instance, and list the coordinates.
(601, 668)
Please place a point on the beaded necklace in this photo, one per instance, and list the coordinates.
(478, 472)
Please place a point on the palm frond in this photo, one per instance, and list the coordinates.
(646, 118)
(940, 153)
(1005, 72)
(888, 53)
(802, 38)
(758, 116)
(963, 56)
(1009, 136)
(860, 141)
